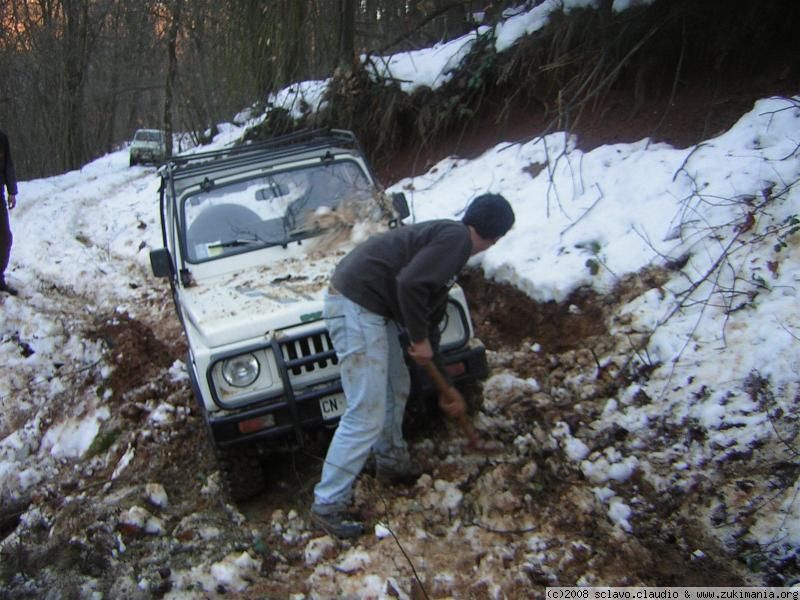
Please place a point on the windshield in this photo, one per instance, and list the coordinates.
(269, 210)
(148, 136)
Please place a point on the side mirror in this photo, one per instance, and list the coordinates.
(161, 262)
(400, 205)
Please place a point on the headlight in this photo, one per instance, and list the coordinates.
(241, 371)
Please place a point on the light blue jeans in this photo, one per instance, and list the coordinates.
(376, 385)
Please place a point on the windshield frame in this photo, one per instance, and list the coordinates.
(149, 136)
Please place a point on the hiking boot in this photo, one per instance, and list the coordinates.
(4, 287)
(338, 524)
(404, 474)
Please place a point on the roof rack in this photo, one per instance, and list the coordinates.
(279, 147)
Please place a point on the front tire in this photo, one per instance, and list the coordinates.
(243, 471)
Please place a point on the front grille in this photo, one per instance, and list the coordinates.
(308, 353)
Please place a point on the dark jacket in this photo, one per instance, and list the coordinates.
(8, 178)
(405, 273)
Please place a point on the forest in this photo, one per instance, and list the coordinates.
(80, 75)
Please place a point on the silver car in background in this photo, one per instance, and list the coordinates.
(148, 146)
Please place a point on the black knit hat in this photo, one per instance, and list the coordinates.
(491, 215)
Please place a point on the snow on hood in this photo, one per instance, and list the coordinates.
(234, 307)
(286, 289)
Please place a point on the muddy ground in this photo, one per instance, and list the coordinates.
(505, 525)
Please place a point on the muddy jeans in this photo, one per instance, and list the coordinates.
(376, 384)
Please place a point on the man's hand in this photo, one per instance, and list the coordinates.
(12, 201)
(451, 402)
(421, 352)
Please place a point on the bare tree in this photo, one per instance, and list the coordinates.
(347, 34)
(172, 69)
(80, 75)
(81, 27)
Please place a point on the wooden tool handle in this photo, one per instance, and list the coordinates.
(442, 386)
(445, 389)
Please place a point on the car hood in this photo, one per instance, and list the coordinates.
(248, 304)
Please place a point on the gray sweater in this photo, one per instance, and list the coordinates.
(405, 273)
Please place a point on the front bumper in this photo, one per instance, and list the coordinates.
(287, 418)
(147, 156)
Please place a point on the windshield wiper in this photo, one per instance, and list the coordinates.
(234, 243)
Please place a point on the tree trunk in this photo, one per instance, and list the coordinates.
(347, 34)
(292, 49)
(76, 43)
(172, 70)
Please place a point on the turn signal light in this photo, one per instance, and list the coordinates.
(257, 424)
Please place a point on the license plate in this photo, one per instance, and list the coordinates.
(332, 406)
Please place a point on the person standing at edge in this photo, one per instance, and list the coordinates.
(396, 279)
(8, 180)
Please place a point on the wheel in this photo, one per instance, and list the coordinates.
(243, 471)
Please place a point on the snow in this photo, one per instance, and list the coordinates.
(430, 67)
(231, 573)
(157, 495)
(318, 548)
(583, 219)
(619, 513)
(354, 560)
(123, 462)
(530, 21)
(72, 438)
(142, 519)
(301, 98)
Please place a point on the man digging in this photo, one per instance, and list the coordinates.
(395, 280)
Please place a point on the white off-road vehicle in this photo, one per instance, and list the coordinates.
(148, 146)
(251, 235)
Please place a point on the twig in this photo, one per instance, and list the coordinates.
(500, 531)
(385, 524)
(408, 560)
(586, 212)
(782, 326)
(37, 382)
(686, 160)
